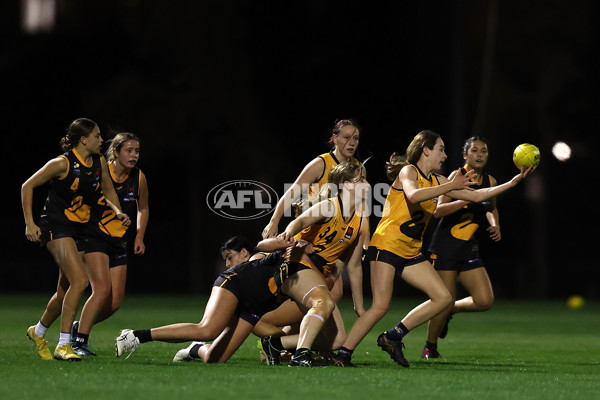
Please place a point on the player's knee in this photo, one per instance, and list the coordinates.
(443, 299)
(321, 301)
(78, 284)
(484, 303)
(205, 332)
(379, 309)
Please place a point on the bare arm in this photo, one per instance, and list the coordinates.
(493, 218)
(310, 174)
(110, 194)
(446, 205)
(273, 244)
(480, 195)
(53, 169)
(142, 216)
(355, 272)
(322, 210)
(408, 181)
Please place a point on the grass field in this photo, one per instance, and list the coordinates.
(517, 350)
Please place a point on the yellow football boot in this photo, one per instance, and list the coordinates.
(41, 343)
(65, 352)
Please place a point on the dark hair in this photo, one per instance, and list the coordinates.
(469, 142)
(117, 142)
(238, 243)
(78, 128)
(423, 139)
(339, 124)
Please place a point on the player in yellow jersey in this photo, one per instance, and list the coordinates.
(395, 247)
(344, 138)
(75, 178)
(336, 230)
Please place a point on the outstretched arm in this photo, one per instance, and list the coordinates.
(408, 180)
(480, 195)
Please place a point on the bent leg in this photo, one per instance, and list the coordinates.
(382, 287)
(477, 284)
(65, 254)
(54, 306)
(436, 324)
(227, 343)
(309, 290)
(218, 312)
(422, 276)
(96, 264)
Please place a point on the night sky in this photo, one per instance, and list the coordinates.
(219, 91)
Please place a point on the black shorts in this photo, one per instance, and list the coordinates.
(257, 284)
(375, 254)
(49, 233)
(449, 264)
(114, 248)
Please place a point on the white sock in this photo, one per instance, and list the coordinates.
(63, 339)
(40, 330)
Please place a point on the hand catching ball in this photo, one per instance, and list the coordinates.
(526, 155)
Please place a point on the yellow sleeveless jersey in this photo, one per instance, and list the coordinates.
(331, 238)
(403, 224)
(330, 163)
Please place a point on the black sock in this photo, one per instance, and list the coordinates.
(81, 338)
(276, 343)
(300, 351)
(143, 335)
(431, 346)
(345, 353)
(397, 332)
(194, 350)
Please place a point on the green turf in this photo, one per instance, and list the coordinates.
(517, 350)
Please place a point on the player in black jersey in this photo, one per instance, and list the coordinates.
(235, 250)
(240, 296)
(107, 239)
(74, 179)
(454, 246)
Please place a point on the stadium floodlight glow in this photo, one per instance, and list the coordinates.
(38, 15)
(561, 151)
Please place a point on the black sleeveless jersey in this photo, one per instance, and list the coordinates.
(128, 191)
(454, 237)
(71, 195)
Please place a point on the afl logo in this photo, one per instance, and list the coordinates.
(242, 200)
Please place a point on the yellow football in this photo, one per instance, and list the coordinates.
(526, 155)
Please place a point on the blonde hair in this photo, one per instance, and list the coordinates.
(343, 172)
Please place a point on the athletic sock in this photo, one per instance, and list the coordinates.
(275, 341)
(81, 338)
(300, 351)
(430, 346)
(64, 338)
(194, 350)
(40, 329)
(397, 332)
(345, 353)
(143, 335)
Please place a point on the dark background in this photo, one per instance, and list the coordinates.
(250, 90)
